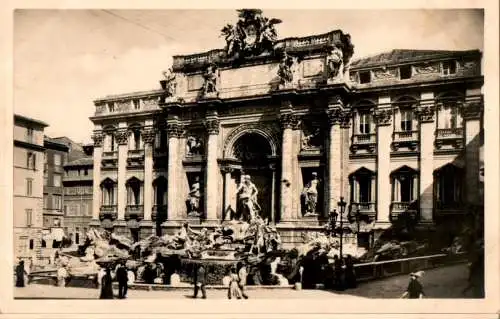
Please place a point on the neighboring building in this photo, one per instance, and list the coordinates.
(28, 186)
(77, 182)
(56, 154)
(396, 135)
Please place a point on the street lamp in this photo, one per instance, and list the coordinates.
(341, 204)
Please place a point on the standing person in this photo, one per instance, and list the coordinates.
(242, 275)
(107, 286)
(234, 290)
(415, 289)
(121, 277)
(20, 273)
(350, 275)
(200, 282)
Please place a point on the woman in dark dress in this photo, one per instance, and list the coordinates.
(107, 286)
(20, 273)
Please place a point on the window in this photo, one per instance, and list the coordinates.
(44, 243)
(404, 185)
(364, 77)
(29, 135)
(29, 217)
(57, 203)
(364, 122)
(29, 187)
(448, 115)
(137, 104)
(31, 160)
(405, 72)
(112, 142)
(32, 244)
(449, 67)
(449, 181)
(57, 180)
(108, 192)
(137, 139)
(57, 159)
(86, 172)
(406, 120)
(133, 191)
(111, 107)
(362, 183)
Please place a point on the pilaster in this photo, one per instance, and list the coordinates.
(121, 136)
(175, 130)
(98, 138)
(211, 193)
(426, 115)
(383, 119)
(289, 122)
(471, 112)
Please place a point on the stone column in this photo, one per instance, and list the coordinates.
(211, 173)
(471, 113)
(148, 136)
(174, 129)
(288, 122)
(98, 138)
(383, 119)
(121, 136)
(425, 113)
(335, 113)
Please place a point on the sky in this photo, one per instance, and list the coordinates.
(65, 59)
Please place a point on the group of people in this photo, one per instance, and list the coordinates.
(236, 280)
(123, 276)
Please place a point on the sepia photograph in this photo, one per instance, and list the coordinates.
(248, 154)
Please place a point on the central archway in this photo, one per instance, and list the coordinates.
(252, 152)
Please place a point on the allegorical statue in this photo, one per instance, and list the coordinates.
(170, 83)
(194, 145)
(247, 192)
(310, 194)
(335, 63)
(285, 71)
(211, 77)
(253, 34)
(193, 200)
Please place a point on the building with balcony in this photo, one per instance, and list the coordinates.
(28, 187)
(396, 135)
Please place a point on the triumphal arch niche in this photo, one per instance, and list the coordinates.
(259, 127)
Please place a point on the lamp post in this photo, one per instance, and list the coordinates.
(341, 204)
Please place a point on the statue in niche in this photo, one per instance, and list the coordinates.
(285, 70)
(194, 145)
(310, 195)
(193, 200)
(247, 192)
(311, 138)
(335, 63)
(211, 77)
(169, 84)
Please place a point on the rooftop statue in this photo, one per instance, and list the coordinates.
(253, 34)
(169, 84)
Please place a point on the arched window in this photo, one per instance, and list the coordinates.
(363, 189)
(404, 185)
(404, 116)
(449, 184)
(160, 191)
(108, 191)
(134, 190)
(448, 115)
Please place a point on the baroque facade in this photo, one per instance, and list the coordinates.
(396, 135)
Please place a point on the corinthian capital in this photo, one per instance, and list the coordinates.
(383, 116)
(98, 138)
(174, 130)
(425, 113)
(212, 126)
(289, 121)
(122, 136)
(148, 134)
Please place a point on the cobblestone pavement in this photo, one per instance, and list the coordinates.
(446, 282)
